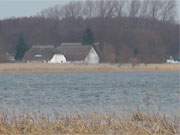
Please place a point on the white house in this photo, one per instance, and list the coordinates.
(57, 58)
(65, 53)
(172, 61)
(78, 53)
(92, 57)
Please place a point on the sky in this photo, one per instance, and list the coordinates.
(20, 8)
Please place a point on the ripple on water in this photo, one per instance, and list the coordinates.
(91, 92)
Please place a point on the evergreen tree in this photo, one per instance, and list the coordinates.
(88, 37)
(21, 48)
(136, 52)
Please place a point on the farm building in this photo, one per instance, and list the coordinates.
(57, 58)
(3, 57)
(78, 53)
(65, 53)
(39, 54)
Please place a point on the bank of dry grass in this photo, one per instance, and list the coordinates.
(137, 124)
(55, 68)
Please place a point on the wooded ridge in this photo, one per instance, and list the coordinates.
(145, 30)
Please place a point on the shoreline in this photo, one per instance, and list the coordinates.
(82, 68)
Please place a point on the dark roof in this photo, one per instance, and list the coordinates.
(43, 46)
(75, 44)
(39, 54)
(74, 52)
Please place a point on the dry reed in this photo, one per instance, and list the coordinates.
(137, 124)
(64, 68)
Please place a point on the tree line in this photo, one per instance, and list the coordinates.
(164, 10)
(142, 29)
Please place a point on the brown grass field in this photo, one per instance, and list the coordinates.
(94, 124)
(64, 68)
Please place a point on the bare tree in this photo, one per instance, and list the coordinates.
(53, 12)
(111, 8)
(169, 11)
(144, 8)
(155, 8)
(89, 9)
(119, 7)
(135, 6)
(73, 9)
(105, 8)
(101, 8)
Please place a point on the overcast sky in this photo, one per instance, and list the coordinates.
(19, 8)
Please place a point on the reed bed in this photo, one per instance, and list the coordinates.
(137, 124)
(76, 68)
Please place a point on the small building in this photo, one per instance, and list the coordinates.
(3, 57)
(171, 60)
(10, 57)
(39, 53)
(65, 53)
(57, 58)
(78, 53)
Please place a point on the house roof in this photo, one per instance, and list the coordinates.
(74, 51)
(39, 54)
(70, 44)
(42, 46)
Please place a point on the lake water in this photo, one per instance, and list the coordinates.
(91, 92)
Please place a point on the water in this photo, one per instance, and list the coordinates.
(91, 92)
